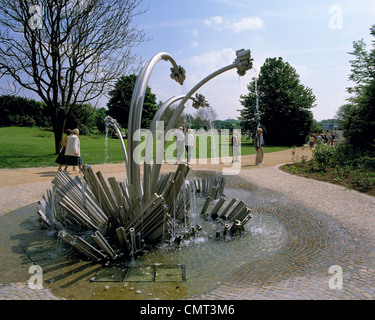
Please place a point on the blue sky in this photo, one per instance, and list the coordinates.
(203, 36)
(314, 36)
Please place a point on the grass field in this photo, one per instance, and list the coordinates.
(23, 147)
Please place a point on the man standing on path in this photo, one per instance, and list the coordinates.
(180, 143)
(189, 144)
(236, 144)
(259, 144)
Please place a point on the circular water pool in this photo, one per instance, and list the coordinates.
(208, 260)
(196, 265)
(193, 267)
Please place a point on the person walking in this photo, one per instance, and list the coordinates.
(73, 151)
(259, 144)
(311, 141)
(189, 144)
(333, 140)
(235, 144)
(329, 138)
(180, 143)
(61, 158)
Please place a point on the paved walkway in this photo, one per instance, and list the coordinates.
(331, 232)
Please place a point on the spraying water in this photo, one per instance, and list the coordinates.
(213, 140)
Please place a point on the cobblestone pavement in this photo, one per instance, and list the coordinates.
(329, 228)
(330, 231)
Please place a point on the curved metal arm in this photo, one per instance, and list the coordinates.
(149, 144)
(243, 63)
(136, 108)
(112, 123)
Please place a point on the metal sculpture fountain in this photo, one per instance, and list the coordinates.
(107, 220)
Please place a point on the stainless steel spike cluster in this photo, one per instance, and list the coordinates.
(178, 74)
(238, 214)
(110, 211)
(244, 61)
(108, 219)
(200, 101)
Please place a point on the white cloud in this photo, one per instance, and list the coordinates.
(211, 61)
(214, 21)
(195, 32)
(247, 24)
(222, 92)
(243, 24)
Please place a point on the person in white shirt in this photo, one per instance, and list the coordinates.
(180, 143)
(73, 151)
(235, 144)
(189, 144)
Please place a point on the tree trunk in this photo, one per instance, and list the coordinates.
(58, 138)
(58, 119)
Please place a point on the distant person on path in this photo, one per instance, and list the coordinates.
(318, 139)
(61, 159)
(311, 141)
(73, 151)
(333, 140)
(259, 144)
(329, 138)
(189, 144)
(236, 144)
(180, 143)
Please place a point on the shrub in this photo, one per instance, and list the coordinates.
(368, 162)
(324, 156)
(363, 179)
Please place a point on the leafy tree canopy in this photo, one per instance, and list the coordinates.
(284, 104)
(120, 101)
(359, 117)
(22, 112)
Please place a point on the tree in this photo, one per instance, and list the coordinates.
(98, 121)
(363, 67)
(359, 125)
(316, 128)
(120, 101)
(81, 117)
(344, 111)
(227, 124)
(204, 118)
(249, 116)
(168, 113)
(23, 112)
(67, 52)
(284, 104)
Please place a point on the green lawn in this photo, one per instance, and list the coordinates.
(34, 147)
